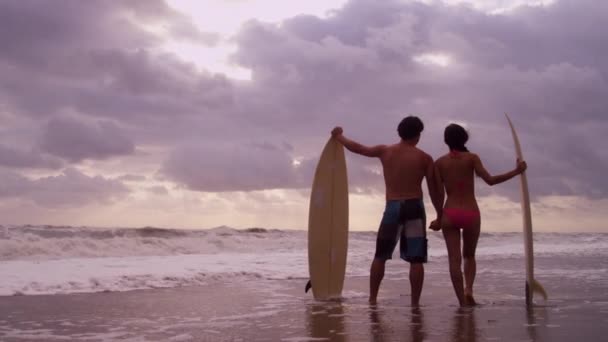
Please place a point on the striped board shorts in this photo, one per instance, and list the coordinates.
(403, 221)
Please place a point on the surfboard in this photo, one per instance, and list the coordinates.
(532, 285)
(328, 223)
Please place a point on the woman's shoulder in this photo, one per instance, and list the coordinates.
(442, 159)
(455, 156)
(471, 155)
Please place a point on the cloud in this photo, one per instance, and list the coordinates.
(131, 23)
(106, 61)
(131, 178)
(358, 68)
(232, 167)
(158, 190)
(71, 188)
(76, 140)
(19, 158)
(90, 85)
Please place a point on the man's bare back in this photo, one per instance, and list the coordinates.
(404, 166)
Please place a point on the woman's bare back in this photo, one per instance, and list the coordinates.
(457, 172)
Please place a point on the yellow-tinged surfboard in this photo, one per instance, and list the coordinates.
(532, 285)
(328, 223)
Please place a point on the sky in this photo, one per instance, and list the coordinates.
(196, 114)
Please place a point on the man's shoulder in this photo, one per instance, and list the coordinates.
(441, 159)
(423, 154)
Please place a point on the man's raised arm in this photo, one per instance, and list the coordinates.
(355, 147)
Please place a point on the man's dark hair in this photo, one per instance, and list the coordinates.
(410, 127)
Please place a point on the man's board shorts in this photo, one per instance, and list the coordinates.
(404, 221)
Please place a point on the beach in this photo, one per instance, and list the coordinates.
(68, 284)
(180, 170)
(278, 310)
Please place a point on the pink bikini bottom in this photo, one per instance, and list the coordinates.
(461, 218)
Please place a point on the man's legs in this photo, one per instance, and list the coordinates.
(386, 240)
(414, 246)
(416, 281)
(376, 274)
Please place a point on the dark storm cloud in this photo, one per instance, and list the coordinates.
(72, 188)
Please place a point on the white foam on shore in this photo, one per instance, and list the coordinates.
(49, 335)
(52, 260)
(44, 242)
(129, 273)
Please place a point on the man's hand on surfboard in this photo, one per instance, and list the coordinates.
(521, 166)
(336, 131)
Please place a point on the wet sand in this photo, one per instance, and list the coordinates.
(278, 310)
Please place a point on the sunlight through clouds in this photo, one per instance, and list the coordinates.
(225, 18)
(439, 59)
(493, 6)
(214, 58)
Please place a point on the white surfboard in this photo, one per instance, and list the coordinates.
(328, 223)
(531, 284)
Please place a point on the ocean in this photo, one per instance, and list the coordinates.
(38, 260)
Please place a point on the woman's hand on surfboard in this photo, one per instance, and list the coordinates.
(336, 131)
(521, 166)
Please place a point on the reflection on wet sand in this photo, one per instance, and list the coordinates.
(326, 321)
(378, 330)
(381, 332)
(464, 326)
(417, 325)
(534, 314)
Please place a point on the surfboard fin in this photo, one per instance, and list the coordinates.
(538, 288)
(308, 286)
(534, 287)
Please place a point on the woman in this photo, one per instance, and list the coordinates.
(455, 171)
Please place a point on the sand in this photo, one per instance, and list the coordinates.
(278, 310)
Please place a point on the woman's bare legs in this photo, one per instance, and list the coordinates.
(452, 242)
(470, 236)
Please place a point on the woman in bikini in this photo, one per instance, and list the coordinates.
(455, 172)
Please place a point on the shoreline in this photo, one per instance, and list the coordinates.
(278, 310)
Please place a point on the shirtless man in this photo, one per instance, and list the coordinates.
(404, 166)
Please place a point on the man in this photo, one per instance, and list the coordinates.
(404, 166)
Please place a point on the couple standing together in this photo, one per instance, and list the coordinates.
(404, 166)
